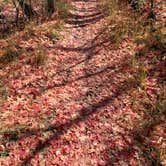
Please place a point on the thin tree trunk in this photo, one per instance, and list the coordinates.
(27, 9)
(50, 6)
(16, 4)
(152, 16)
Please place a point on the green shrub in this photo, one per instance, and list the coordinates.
(4, 153)
(39, 57)
(52, 34)
(155, 40)
(137, 4)
(62, 8)
(109, 7)
(9, 55)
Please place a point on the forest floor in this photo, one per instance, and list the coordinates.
(81, 107)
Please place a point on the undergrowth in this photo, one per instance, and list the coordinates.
(62, 9)
(123, 23)
(10, 54)
(39, 57)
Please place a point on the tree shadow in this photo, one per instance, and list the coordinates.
(82, 21)
(88, 16)
(139, 139)
(83, 49)
(76, 16)
(11, 27)
(84, 114)
(90, 49)
(142, 132)
(89, 9)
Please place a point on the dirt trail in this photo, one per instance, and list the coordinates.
(78, 105)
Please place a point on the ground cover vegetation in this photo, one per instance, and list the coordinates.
(82, 82)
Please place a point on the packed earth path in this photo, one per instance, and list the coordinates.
(76, 109)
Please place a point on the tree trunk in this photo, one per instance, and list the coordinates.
(16, 4)
(27, 9)
(152, 16)
(50, 6)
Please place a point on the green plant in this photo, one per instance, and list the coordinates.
(155, 40)
(137, 4)
(9, 134)
(62, 8)
(142, 76)
(121, 23)
(4, 153)
(39, 57)
(154, 112)
(52, 34)
(109, 7)
(121, 27)
(30, 31)
(12, 133)
(10, 53)
(152, 154)
(3, 94)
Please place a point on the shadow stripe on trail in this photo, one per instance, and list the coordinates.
(77, 21)
(84, 114)
(75, 16)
